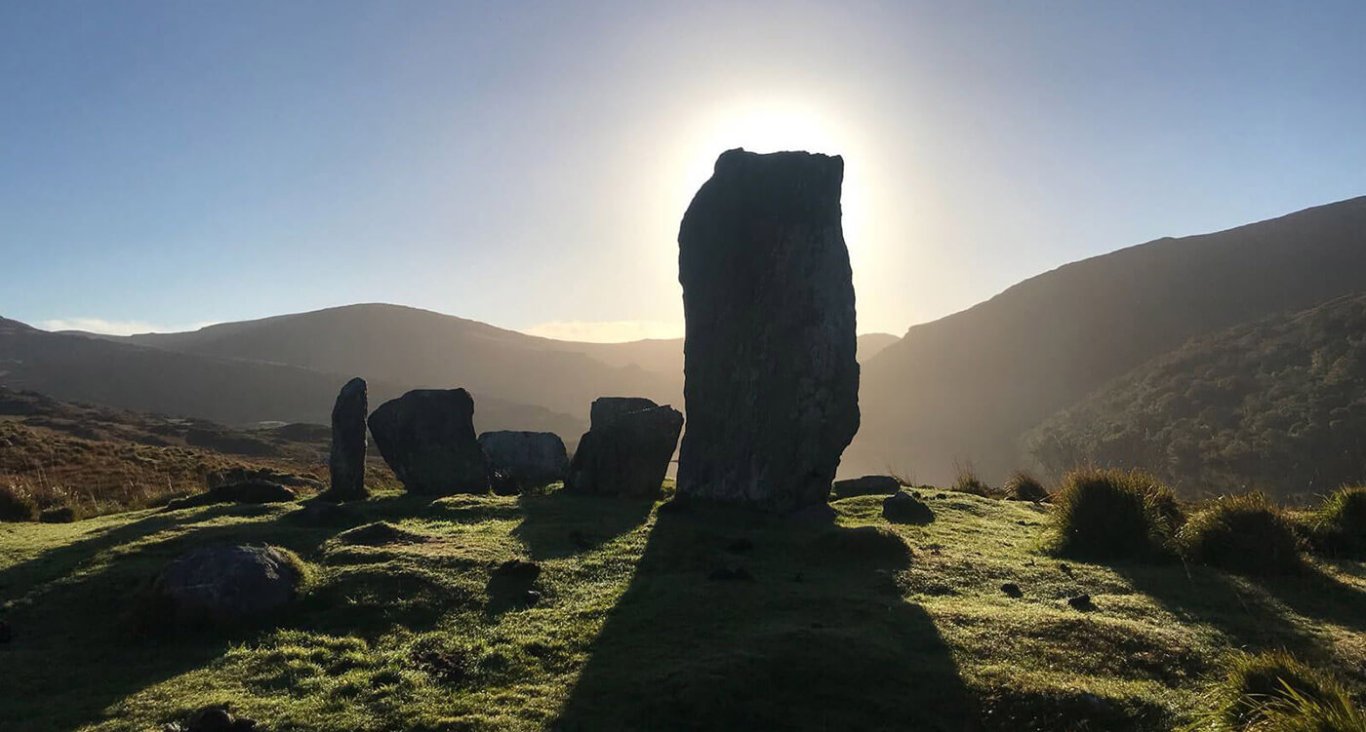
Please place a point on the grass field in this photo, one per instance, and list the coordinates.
(649, 619)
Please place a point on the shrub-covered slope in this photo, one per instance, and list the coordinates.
(1278, 405)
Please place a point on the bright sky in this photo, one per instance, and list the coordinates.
(164, 165)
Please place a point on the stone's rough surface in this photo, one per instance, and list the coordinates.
(627, 448)
(427, 438)
(519, 461)
(868, 485)
(227, 583)
(347, 460)
(771, 379)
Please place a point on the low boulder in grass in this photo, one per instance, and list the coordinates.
(225, 584)
(58, 515)
(1113, 514)
(868, 485)
(1246, 534)
(904, 508)
(213, 718)
(248, 491)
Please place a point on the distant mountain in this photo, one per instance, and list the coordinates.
(232, 391)
(968, 386)
(1278, 405)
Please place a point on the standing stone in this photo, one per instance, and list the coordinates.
(347, 460)
(519, 461)
(427, 438)
(627, 448)
(771, 381)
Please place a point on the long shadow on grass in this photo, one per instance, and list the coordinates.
(739, 621)
(1252, 611)
(562, 524)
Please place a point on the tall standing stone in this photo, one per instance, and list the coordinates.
(427, 438)
(347, 459)
(771, 381)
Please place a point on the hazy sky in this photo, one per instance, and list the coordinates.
(526, 164)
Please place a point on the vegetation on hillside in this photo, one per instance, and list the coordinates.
(647, 618)
(1277, 406)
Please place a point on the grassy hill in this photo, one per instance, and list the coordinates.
(848, 623)
(1278, 405)
(968, 386)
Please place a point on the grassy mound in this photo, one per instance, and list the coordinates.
(1113, 514)
(1338, 527)
(1245, 534)
(1275, 692)
(1025, 487)
(966, 481)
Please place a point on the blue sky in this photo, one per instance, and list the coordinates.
(526, 164)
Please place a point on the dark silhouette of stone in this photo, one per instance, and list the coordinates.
(627, 448)
(904, 508)
(427, 438)
(1082, 603)
(868, 485)
(520, 461)
(1013, 590)
(58, 515)
(347, 459)
(224, 584)
(518, 569)
(248, 491)
(771, 377)
(213, 718)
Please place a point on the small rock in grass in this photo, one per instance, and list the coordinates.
(731, 574)
(518, 569)
(740, 545)
(58, 515)
(1081, 602)
(532, 597)
(904, 508)
(1012, 589)
(214, 718)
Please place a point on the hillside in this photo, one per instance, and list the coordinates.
(854, 624)
(968, 386)
(232, 391)
(402, 345)
(1279, 405)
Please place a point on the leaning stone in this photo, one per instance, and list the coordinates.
(427, 438)
(225, 584)
(868, 485)
(521, 461)
(626, 451)
(771, 378)
(347, 458)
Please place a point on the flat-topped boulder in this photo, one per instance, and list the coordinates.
(427, 438)
(226, 584)
(771, 380)
(520, 461)
(627, 448)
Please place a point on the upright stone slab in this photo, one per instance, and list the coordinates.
(427, 438)
(627, 448)
(771, 381)
(347, 460)
(520, 461)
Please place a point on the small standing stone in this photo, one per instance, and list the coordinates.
(520, 461)
(347, 460)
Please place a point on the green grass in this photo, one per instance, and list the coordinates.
(1338, 527)
(1245, 534)
(1113, 514)
(850, 624)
